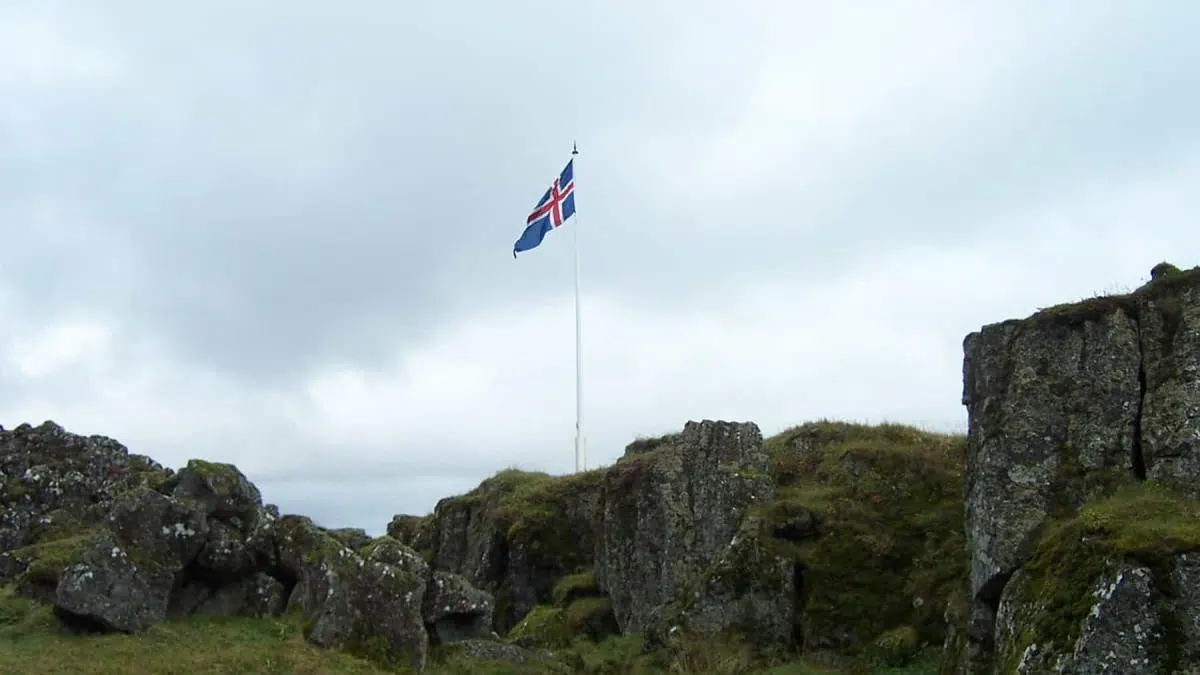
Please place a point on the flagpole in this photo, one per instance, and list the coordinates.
(580, 459)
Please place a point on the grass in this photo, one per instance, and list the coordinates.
(1166, 280)
(30, 645)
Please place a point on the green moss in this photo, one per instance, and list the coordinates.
(579, 585)
(377, 650)
(213, 471)
(592, 617)
(46, 561)
(543, 626)
(1145, 523)
(617, 655)
(897, 645)
(378, 547)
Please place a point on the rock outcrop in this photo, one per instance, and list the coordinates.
(116, 542)
(669, 514)
(1067, 408)
(707, 532)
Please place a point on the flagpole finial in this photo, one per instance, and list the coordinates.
(574, 148)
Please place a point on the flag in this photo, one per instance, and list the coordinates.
(554, 208)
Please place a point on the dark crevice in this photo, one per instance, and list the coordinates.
(79, 624)
(272, 566)
(800, 588)
(456, 627)
(1137, 461)
(989, 594)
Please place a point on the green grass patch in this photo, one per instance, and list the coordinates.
(260, 646)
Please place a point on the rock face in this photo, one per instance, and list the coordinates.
(749, 589)
(117, 543)
(668, 515)
(1064, 407)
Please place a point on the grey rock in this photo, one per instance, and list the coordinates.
(1052, 412)
(1170, 348)
(108, 587)
(348, 599)
(668, 514)
(749, 590)
(454, 611)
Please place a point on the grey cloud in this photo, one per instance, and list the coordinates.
(285, 188)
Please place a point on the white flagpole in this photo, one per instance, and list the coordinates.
(580, 459)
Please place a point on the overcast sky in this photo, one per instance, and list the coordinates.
(280, 234)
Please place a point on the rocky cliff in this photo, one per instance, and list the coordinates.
(1083, 465)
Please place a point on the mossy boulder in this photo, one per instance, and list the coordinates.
(389, 551)
(221, 490)
(112, 587)
(365, 607)
(412, 531)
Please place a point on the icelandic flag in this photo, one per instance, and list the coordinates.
(551, 212)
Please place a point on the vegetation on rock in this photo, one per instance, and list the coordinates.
(1144, 524)
(886, 549)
